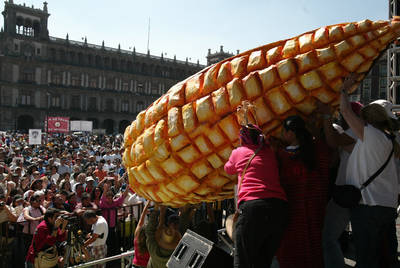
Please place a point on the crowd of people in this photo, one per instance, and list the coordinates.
(297, 195)
(69, 175)
(79, 179)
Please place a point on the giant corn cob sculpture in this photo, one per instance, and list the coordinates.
(176, 149)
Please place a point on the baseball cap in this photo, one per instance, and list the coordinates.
(388, 107)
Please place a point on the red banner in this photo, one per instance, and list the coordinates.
(57, 124)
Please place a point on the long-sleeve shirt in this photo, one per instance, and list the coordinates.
(158, 256)
(109, 210)
(41, 238)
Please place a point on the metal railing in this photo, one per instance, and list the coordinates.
(121, 257)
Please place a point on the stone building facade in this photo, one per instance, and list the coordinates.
(374, 85)
(44, 76)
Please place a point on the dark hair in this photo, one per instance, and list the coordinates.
(50, 212)
(306, 145)
(63, 192)
(94, 192)
(172, 219)
(88, 214)
(85, 196)
(15, 198)
(142, 245)
(70, 195)
(34, 198)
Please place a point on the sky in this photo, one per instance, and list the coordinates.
(188, 28)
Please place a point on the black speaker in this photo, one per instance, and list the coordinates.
(195, 251)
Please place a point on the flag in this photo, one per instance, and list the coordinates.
(57, 124)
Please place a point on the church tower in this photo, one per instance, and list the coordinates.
(26, 21)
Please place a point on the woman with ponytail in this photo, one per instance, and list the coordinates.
(304, 172)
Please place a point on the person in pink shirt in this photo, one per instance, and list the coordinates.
(142, 256)
(109, 207)
(262, 204)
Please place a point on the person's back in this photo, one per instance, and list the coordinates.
(261, 179)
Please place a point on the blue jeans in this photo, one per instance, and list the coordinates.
(336, 220)
(369, 224)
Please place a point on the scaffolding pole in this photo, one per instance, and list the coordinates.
(393, 78)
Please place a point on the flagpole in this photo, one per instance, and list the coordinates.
(148, 36)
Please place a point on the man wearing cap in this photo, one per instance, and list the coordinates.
(375, 146)
(89, 184)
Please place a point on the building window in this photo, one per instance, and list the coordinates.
(140, 88)
(109, 105)
(57, 80)
(148, 87)
(366, 94)
(139, 106)
(92, 104)
(382, 87)
(76, 81)
(383, 69)
(125, 106)
(76, 102)
(28, 76)
(38, 51)
(125, 86)
(15, 47)
(110, 83)
(55, 101)
(161, 88)
(25, 99)
(93, 83)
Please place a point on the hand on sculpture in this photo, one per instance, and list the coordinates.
(348, 82)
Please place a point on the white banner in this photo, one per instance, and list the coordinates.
(35, 136)
(81, 126)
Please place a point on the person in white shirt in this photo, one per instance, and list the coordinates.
(108, 165)
(96, 241)
(374, 215)
(337, 218)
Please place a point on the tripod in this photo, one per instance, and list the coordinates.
(75, 253)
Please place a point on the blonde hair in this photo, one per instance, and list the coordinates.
(376, 115)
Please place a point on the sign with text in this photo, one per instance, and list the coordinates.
(81, 126)
(57, 124)
(35, 136)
